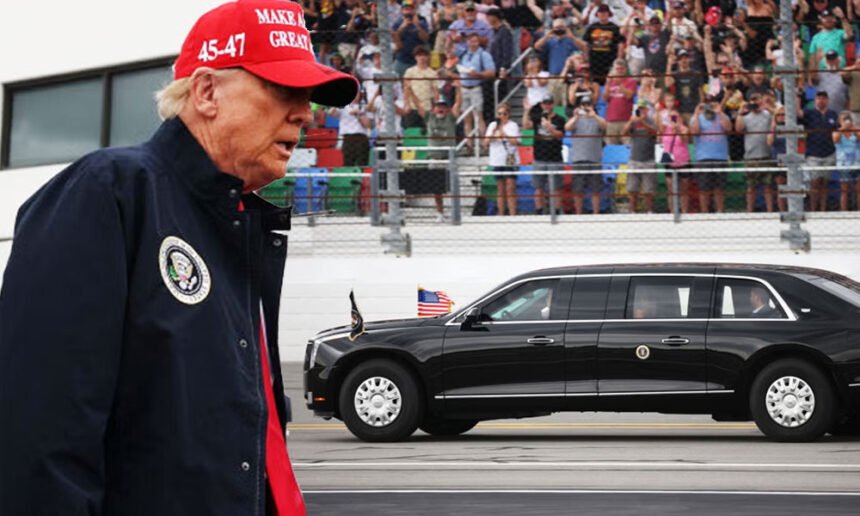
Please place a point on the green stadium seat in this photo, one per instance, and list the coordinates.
(527, 137)
(343, 191)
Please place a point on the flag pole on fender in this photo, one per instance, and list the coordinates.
(357, 327)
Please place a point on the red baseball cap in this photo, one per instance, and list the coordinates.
(268, 38)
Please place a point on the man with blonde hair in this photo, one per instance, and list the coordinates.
(139, 369)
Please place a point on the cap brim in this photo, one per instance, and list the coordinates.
(330, 87)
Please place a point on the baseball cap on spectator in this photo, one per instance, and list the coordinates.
(712, 17)
(825, 13)
(604, 9)
(681, 53)
(831, 54)
(655, 20)
(441, 100)
(421, 50)
(266, 38)
(546, 98)
(677, 4)
(469, 6)
(495, 12)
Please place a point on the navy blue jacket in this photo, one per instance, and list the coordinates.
(127, 386)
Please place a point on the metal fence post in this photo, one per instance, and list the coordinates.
(676, 197)
(394, 242)
(798, 239)
(454, 179)
(374, 189)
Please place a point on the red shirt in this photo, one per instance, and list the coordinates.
(618, 106)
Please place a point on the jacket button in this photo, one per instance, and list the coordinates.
(233, 193)
(243, 343)
(245, 466)
(237, 223)
(277, 242)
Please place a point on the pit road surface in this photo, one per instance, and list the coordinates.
(572, 463)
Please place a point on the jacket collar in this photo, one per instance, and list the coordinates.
(187, 159)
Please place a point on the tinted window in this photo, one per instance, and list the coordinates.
(55, 124)
(745, 299)
(659, 297)
(840, 286)
(530, 301)
(589, 298)
(134, 116)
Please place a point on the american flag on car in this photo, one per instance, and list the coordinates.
(433, 302)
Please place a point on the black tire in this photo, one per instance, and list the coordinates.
(441, 427)
(374, 425)
(800, 383)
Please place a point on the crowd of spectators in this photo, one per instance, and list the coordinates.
(684, 85)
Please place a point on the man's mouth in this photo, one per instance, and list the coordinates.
(286, 147)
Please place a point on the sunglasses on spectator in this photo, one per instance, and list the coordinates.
(500, 113)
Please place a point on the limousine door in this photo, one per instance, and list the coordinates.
(652, 345)
(513, 356)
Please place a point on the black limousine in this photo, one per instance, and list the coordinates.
(774, 344)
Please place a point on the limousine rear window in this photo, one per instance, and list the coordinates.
(841, 287)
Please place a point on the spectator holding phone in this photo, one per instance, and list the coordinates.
(587, 127)
(642, 129)
(675, 154)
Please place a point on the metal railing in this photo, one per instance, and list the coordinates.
(516, 87)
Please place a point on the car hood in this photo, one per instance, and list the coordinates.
(391, 324)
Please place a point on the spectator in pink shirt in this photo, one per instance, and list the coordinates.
(618, 94)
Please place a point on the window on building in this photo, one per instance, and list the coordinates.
(55, 124)
(59, 120)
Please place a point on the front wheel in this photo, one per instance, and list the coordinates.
(380, 401)
(792, 401)
(442, 427)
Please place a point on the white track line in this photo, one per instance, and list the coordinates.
(579, 491)
(579, 465)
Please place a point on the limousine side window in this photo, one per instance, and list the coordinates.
(745, 299)
(530, 301)
(659, 297)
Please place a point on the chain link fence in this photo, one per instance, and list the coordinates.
(611, 126)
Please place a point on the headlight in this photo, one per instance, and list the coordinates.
(315, 346)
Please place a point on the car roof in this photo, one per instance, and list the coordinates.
(676, 267)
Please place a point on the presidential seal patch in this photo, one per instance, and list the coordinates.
(183, 271)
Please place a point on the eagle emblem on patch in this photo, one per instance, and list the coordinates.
(184, 273)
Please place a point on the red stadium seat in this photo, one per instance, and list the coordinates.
(527, 154)
(320, 138)
(329, 158)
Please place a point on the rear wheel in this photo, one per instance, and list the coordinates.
(792, 401)
(442, 427)
(380, 401)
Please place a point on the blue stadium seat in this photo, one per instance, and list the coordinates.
(332, 122)
(525, 191)
(305, 201)
(615, 155)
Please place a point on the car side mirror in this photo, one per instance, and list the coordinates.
(474, 320)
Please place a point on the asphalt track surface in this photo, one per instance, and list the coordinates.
(572, 463)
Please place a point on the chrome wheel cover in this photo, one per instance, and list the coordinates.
(790, 401)
(378, 401)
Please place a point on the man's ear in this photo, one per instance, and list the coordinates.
(202, 93)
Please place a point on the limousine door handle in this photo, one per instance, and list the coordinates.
(675, 341)
(540, 341)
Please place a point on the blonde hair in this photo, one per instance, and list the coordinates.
(172, 98)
